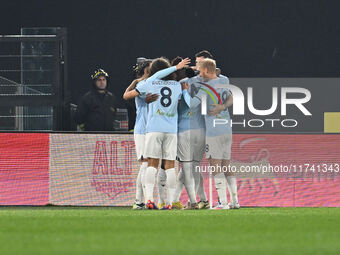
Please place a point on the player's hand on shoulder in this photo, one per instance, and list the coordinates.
(216, 110)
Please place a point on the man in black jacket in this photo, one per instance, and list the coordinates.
(97, 108)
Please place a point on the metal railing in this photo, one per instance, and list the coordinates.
(33, 81)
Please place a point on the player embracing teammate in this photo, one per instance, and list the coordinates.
(173, 124)
(215, 96)
(161, 125)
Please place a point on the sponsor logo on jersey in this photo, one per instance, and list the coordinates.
(167, 114)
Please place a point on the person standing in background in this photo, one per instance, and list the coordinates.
(96, 110)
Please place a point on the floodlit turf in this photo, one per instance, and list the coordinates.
(55, 230)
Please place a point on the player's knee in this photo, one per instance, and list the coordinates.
(153, 162)
(169, 164)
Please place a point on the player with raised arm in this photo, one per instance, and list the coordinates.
(143, 70)
(161, 128)
(161, 178)
(184, 150)
(161, 137)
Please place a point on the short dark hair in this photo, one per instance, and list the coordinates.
(160, 64)
(204, 53)
(179, 74)
(182, 73)
(176, 61)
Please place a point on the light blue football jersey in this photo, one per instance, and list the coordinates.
(163, 113)
(142, 106)
(141, 114)
(218, 124)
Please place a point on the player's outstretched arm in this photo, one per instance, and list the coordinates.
(165, 72)
(131, 92)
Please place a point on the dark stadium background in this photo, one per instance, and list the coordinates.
(248, 38)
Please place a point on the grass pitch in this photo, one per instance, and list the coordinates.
(64, 230)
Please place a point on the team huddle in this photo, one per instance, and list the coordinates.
(182, 113)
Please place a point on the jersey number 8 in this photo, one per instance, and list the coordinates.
(166, 96)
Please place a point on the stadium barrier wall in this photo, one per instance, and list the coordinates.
(101, 169)
(24, 169)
